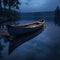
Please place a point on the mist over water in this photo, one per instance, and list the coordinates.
(45, 46)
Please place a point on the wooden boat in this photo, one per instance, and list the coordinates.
(22, 29)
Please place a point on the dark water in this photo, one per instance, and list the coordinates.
(45, 46)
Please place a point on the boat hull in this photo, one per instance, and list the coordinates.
(14, 31)
(22, 30)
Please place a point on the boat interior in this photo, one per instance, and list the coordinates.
(31, 25)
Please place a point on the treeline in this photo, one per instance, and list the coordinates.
(9, 4)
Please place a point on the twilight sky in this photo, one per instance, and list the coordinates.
(38, 5)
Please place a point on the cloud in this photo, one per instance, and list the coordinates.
(40, 5)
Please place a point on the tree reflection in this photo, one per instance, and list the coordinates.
(1, 49)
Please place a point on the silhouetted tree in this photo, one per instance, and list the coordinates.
(11, 3)
(0, 4)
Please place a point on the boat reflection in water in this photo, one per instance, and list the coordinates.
(20, 39)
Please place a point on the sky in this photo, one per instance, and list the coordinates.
(38, 5)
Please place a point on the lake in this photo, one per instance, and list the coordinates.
(45, 46)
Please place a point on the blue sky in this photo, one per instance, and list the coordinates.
(38, 5)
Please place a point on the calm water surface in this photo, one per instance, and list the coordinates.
(45, 46)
